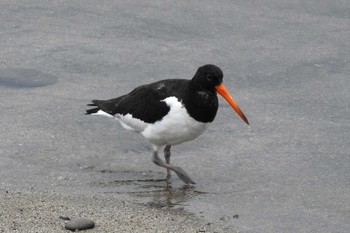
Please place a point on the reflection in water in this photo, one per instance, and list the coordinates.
(148, 191)
(168, 196)
(144, 188)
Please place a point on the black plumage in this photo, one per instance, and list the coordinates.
(145, 102)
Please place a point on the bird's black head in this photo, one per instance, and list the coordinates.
(207, 77)
(208, 80)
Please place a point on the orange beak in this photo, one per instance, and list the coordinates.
(221, 89)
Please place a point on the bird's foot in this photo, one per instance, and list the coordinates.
(183, 175)
(168, 179)
(178, 170)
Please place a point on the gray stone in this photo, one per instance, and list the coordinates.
(66, 218)
(79, 224)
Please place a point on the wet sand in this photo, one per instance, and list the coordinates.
(40, 212)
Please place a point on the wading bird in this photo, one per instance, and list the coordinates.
(170, 112)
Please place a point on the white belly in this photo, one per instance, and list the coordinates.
(176, 127)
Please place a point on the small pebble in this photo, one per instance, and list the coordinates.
(66, 218)
(156, 204)
(79, 224)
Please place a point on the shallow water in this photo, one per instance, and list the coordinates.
(25, 78)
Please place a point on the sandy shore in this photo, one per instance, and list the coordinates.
(40, 212)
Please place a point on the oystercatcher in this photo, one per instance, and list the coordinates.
(170, 112)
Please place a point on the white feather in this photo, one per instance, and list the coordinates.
(102, 113)
(176, 127)
(130, 123)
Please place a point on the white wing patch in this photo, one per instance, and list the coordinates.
(102, 113)
(130, 123)
(127, 121)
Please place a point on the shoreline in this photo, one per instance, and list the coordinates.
(23, 211)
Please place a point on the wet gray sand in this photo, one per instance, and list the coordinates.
(41, 212)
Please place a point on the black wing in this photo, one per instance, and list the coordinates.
(144, 102)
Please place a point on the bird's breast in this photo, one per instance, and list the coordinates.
(175, 127)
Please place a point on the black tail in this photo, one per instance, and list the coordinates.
(96, 104)
(108, 106)
(91, 111)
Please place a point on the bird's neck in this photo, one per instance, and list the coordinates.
(202, 104)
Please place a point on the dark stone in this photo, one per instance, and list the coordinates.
(79, 224)
(156, 204)
(66, 218)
